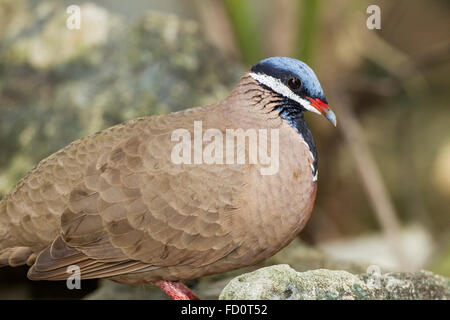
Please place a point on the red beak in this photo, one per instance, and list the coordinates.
(323, 108)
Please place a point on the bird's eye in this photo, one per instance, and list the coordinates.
(294, 83)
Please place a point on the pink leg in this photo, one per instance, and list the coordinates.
(176, 290)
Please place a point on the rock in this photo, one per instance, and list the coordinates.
(58, 85)
(281, 282)
(110, 290)
(296, 254)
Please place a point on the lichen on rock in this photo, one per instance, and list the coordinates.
(281, 282)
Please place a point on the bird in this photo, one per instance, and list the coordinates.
(116, 205)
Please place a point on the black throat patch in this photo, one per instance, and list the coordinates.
(295, 118)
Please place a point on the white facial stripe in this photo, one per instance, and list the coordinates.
(279, 87)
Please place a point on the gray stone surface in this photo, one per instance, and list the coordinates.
(281, 282)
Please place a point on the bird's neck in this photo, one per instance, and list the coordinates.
(296, 120)
(253, 97)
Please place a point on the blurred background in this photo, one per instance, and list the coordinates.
(384, 173)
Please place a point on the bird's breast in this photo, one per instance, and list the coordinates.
(279, 204)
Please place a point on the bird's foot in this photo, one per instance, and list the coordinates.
(176, 290)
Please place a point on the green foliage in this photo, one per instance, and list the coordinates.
(246, 30)
(308, 22)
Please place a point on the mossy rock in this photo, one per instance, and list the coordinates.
(281, 282)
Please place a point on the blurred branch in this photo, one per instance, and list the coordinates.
(394, 61)
(404, 74)
(282, 31)
(408, 72)
(217, 26)
(308, 26)
(245, 29)
(433, 56)
(370, 176)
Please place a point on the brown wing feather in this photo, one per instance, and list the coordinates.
(133, 209)
(52, 264)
